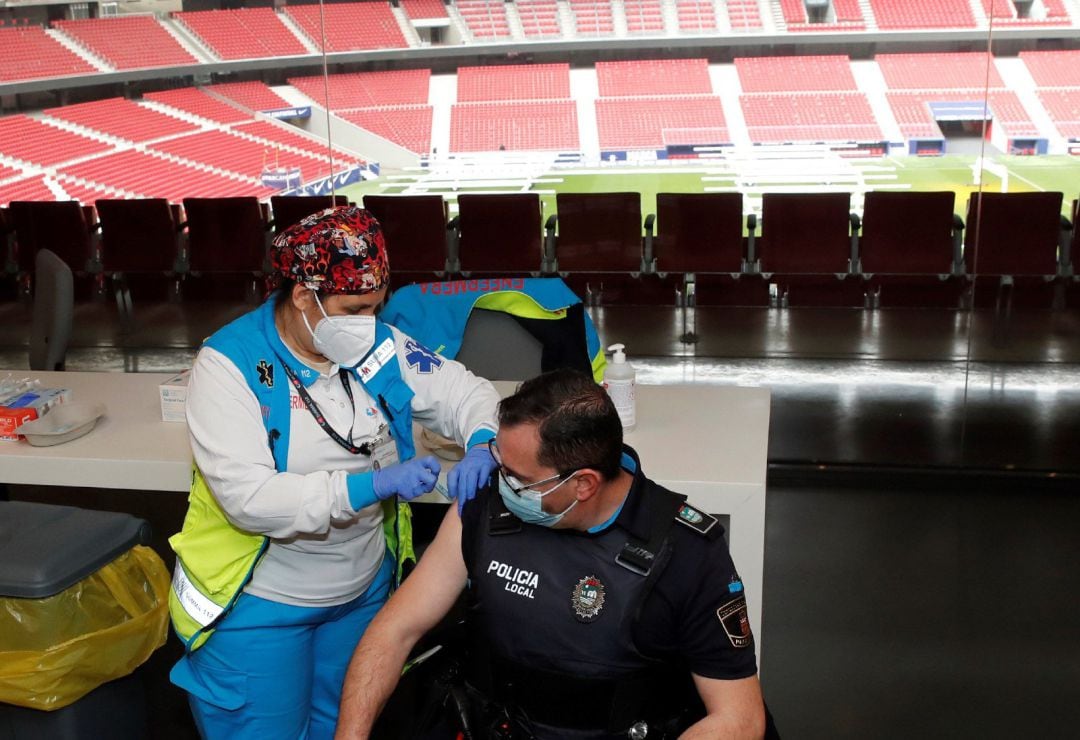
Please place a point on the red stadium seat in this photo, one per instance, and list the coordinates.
(139, 244)
(599, 244)
(226, 235)
(416, 235)
(500, 233)
(64, 227)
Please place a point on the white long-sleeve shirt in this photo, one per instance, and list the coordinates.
(322, 551)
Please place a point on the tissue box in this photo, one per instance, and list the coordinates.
(27, 406)
(174, 397)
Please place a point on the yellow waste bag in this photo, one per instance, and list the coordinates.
(54, 651)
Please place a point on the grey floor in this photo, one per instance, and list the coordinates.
(921, 561)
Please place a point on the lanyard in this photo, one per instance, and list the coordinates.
(309, 403)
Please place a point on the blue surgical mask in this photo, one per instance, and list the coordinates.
(527, 505)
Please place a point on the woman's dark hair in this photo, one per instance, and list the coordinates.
(283, 292)
(575, 418)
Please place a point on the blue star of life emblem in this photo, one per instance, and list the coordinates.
(420, 357)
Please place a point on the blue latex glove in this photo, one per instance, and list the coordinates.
(408, 480)
(471, 474)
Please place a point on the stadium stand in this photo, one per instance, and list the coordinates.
(1063, 106)
(644, 17)
(83, 192)
(539, 18)
(513, 82)
(256, 96)
(417, 227)
(744, 15)
(9, 173)
(143, 175)
(649, 123)
(29, 53)
(959, 70)
(124, 119)
(593, 17)
(1005, 13)
(424, 9)
(407, 125)
(485, 19)
(809, 117)
(916, 120)
(917, 14)
(654, 77)
(848, 11)
(30, 188)
(196, 102)
(1053, 68)
(696, 16)
(269, 132)
(368, 89)
(227, 151)
(28, 140)
(794, 74)
(349, 26)
(481, 127)
(794, 12)
(128, 41)
(500, 233)
(246, 33)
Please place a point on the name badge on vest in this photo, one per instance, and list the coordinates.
(384, 453)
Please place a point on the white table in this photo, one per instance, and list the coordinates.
(707, 442)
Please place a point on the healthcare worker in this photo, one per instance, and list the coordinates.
(300, 416)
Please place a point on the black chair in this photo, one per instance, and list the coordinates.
(500, 233)
(63, 227)
(418, 239)
(226, 237)
(598, 250)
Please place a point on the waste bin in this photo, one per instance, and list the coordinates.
(83, 603)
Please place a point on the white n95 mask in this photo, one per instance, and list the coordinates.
(344, 340)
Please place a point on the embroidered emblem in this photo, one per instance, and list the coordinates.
(736, 623)
(421, 358)
(735, 585)
(690, 515)
(695, 519)
(588, 599)
(266, 373)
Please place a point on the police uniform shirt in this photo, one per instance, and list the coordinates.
(695, 615)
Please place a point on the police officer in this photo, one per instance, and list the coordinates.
(600, 605)
(301, 414)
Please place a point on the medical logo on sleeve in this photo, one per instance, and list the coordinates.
(733, 617)
(587, 599)
(266, 373)
(421, 358)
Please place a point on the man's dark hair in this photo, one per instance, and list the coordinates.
(576, 420)
(283, 292)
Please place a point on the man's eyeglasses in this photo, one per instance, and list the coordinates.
(513, 483)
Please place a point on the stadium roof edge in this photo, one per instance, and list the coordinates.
(856, 44)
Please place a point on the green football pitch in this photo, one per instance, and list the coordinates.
(1045, 173)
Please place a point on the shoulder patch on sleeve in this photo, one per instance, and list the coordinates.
(695, 519)
(736, 623)
(420, 358)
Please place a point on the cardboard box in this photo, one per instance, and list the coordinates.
(26, 406)
(174, 397)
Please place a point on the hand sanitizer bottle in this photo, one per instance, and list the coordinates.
(619, 378)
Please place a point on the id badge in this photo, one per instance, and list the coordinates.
(384, 454)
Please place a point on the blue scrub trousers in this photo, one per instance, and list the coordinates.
(273, 670)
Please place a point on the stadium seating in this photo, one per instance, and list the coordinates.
(809, 117)
(794, 74)
(1004, 14)
(652, 123)
(848, 11)
(1063, 105)
(696, 16)
(289, 209)
(416, 235)
(915, 14)
(1053, 68)
(29, 54)
(909, 248)
(247, 33)
(124, 119)
(225, 235)
(368, 89)
(500, 233)
(654, 77)
(486, 19)
(256, 96)
(513, 82)
(698, 233)
(30, 188)
(23, 138)
(539, 18)
(954, 71)
(63, 227)
(140, 174)
(83, 192)
(744, 15)
(349, 26)
(137, 236)
(227, 151)
(644, 17)
(598, 251)
(593, 17)
(916, 120)
(407, 125)
(285, 136)
(805, 245)
(128, 41)
(484, 127)
(423, 9)
(198, 103)
(8, 172)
